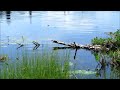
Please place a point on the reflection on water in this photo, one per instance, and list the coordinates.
(18, 30)
(30, 13)
(115, 72)
(8, 13)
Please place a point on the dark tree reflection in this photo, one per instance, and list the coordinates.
(30, 15)
(1, 14)
(104, 62)
(115, 72)
(8, 16)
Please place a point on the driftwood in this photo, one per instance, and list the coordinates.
(79, 46)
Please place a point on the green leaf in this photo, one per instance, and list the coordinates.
(97, 57)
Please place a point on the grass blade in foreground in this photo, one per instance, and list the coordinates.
(41, 66)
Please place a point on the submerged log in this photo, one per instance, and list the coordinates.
(80, 46)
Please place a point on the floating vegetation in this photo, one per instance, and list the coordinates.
(3, 58)
(70, 63)
(83, 72)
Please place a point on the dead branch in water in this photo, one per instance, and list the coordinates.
(36, 45)
(79, 46)
(20, 45)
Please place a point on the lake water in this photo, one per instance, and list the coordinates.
(69, 26)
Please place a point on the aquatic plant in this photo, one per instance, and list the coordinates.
(98, 41)
(113, 43)
(37, 66)
(3, 58)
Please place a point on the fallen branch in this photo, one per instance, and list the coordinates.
(79, 46)
(73, 45)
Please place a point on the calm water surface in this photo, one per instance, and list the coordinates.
(69, 26)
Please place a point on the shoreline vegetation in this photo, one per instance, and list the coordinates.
(113, 43)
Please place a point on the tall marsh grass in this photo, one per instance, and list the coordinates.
(37, 66)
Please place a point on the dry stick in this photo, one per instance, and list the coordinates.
(36, 45)
(21, 45)
(61, 43)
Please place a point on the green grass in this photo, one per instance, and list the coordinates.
(37, 66)
(98, 41)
